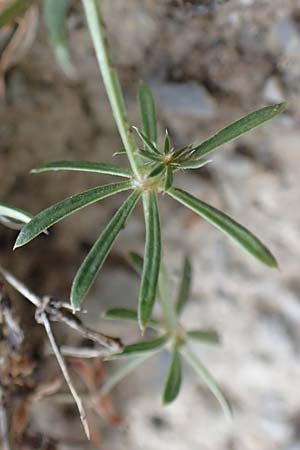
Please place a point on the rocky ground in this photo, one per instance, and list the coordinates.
(208, 63)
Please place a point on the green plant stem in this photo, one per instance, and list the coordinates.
(164, 293)
(110, 79)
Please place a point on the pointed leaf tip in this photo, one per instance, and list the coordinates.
(238, 128)
(224, 223)
(205, 376)
(50, 216)
(147, 112)
(174, 378)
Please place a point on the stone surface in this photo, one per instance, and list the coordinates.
(273, 92)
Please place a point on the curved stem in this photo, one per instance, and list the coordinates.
(110, 79)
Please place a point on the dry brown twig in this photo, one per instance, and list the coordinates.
(50, 310)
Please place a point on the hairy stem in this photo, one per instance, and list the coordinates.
(110, 79)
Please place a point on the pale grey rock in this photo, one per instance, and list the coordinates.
(273, 90)
(190, 100)
(288, 36)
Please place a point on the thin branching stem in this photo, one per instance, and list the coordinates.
(20, 287)
(61, 362)
(53, 310)
(110, 79)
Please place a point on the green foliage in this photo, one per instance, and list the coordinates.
(173, 381)
(184, 286)
(206, 377)
(16, 9)
(152, 172)
(100, 250)
(48, 217)
(128, 314)
(238, 128)
(55, 14)
(227, 225)
(145, 346)
(174, 339)
(151, 259)
(147, 111)
(158, 168)
(84, 166)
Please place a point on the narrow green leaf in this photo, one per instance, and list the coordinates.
(145, 346)
(208, 379)
(127, 314)
(59, 211)
(84, 166)
(197, 164)
(167, 144)
(55, 14)
(152, 259)
(150, 156)
(224, 223)
(168, 178)
(184, 286)
(121, 313)
(136, 261)
(16, 9)
(206, 336)
(174, 378)
(238, 128)
(157, 170)
(10, 212)
(147, 111)
(149, 145)
(122, 371)
(93, 262)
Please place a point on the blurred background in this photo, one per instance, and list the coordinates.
(208, 62)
